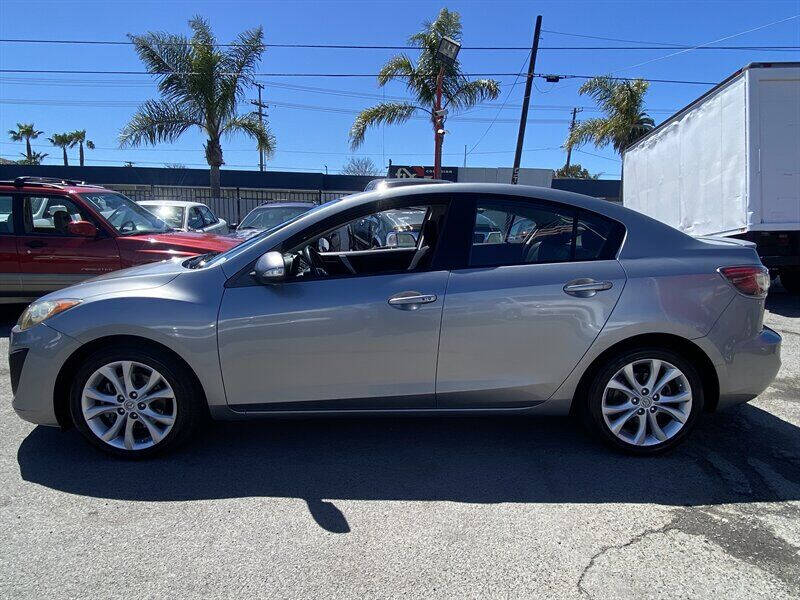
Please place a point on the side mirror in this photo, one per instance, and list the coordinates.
(323, 244)
(82, 229)
(270, 268)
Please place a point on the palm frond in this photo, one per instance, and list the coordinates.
(473, 92)
(158, 121)
(386, 112)
(250, 126)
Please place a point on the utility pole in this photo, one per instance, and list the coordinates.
(569, 148)
(465, 155)
(260, 106)
(524, 117)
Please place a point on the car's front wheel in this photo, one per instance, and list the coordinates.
(644, 401)
(133, 401)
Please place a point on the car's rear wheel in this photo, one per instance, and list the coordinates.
(644, 401)
(133, 401)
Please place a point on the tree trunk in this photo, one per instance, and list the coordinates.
(66, 162)
(214, 159)
(80, 153)
(215, 191)
(28, 149)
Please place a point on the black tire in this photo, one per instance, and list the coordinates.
(188, 398)
(790, 279)
(592, 407)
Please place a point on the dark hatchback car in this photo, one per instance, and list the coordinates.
(268, 216)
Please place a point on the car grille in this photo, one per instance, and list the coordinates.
(16, 360)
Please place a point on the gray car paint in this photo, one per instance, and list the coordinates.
(670, 286)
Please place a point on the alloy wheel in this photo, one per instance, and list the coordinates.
(647, 402)
(128, 405)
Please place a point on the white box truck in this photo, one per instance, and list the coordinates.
(728, 164)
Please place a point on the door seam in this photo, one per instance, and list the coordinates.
(439, 342)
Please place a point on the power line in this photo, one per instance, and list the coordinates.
(651, 46)
(344, 75)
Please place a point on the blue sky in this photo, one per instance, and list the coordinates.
(309, 139)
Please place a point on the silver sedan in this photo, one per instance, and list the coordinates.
(572, 306)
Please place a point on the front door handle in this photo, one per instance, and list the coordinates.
(411, 300)
(586, 287)
(36, 244)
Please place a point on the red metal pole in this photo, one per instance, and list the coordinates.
(437, 125)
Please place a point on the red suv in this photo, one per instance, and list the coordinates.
(54, 233)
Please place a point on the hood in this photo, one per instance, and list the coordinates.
(200, 243)
(141, 277)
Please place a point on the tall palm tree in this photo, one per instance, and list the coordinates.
(201, 85)
(625, 120)
(420, 78)
(63, 141)
(79, 137)
(27, 132)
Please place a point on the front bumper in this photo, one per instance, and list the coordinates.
(47, 350)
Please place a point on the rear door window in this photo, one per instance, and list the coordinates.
(6, 215)
(523, 233)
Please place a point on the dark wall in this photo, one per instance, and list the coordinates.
(191, 177)
(598, 188)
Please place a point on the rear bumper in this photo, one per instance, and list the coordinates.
(746, 354)
(45, 351)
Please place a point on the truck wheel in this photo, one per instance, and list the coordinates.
(790, 278)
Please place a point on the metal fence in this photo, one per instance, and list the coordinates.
(233, 204)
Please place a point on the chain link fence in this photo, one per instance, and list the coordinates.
(233, 204)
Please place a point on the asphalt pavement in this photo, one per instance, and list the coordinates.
(412, 508)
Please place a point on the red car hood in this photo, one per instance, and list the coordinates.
(138, 249)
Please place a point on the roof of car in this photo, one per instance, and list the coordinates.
(181, 203)
(286, 205)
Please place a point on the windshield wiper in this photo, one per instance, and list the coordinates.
(198, 261)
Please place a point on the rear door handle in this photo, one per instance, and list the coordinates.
(586, 288)
(411, 300)
(36, 244)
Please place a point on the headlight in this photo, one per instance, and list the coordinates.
(43, 309)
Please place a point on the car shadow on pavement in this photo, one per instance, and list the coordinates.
(742, 455)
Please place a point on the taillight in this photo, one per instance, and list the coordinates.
(750, 280)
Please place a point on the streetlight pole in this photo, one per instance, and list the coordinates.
(446, 53)
(438, 127)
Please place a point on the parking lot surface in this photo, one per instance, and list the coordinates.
(418, 508)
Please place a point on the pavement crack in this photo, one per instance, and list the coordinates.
(634, 540)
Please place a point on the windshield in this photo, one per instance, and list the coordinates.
(171, 215)
(268, 217)
(125, 215)
(222, 257)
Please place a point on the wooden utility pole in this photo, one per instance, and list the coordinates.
(569, 148)
(260, 106)
(524, 117)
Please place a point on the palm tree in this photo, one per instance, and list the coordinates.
(625, 120)
(63, 141)
(35, 158)
(27, 132)
(79, 137)
(201, 85)
(458, 92)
